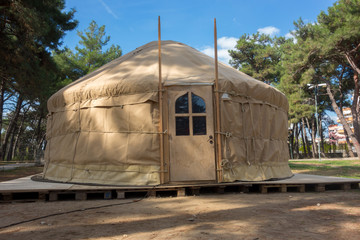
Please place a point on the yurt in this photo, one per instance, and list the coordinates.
(104, 127)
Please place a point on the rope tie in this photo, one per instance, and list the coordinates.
(226, 134)
(227, 165)
(225, 162)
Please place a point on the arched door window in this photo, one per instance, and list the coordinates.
(190, 116)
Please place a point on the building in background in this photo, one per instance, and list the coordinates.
(337, 132)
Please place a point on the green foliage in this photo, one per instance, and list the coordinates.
(339, 30)
(327, 51)
(258, 55)
(293, 83)
(89, 54)
(28, 30)
(319, 56)
(327, 148)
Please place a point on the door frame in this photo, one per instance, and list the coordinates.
(167, 108)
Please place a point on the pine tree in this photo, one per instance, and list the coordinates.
(89, 54)
(258, 55)
(29, 30)
(333, 43)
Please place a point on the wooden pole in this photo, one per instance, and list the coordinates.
(160, 110)
(217, 102)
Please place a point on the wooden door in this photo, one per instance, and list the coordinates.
(191, 133)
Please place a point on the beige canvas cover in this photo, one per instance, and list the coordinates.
(103, 128)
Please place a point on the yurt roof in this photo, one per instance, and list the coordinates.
(137, 73)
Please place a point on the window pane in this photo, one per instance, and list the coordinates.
(182, 104)
(198, 104)
(199, 124)
(182, 126)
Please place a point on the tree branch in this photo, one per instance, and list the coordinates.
(352, 62)
(355, 49)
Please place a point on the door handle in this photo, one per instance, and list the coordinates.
(210, 140)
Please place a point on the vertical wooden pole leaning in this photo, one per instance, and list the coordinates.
(217, 103)
(161, 130)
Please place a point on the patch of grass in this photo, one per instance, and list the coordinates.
(308, 166)
(336, 168)
(6, 175)
(330, 162)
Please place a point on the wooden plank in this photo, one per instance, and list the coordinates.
(345, 186)
(161, 136)
(81, 196)
(263, 189)
(217, 111)
(53, 196)
(89, 193)
(320, 187)
(42, 196)
(120, 194)
(166, 137)
(181, 192)
(301, 188)
(281, 187)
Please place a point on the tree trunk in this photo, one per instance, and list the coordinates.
(38, 127)
(355, 109)
(297, 141)
(2, 93)
(305, 138)
(321, 137)
(341, 117)
(11, 126)
(312, 140)
(291, 143)
(9, 155)
(352, 62)
(313, 136)
(38, 136)
(350, 152)
(17, 137)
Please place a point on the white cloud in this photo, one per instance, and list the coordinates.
(224, 44)
(108, 9)
(270, 30)
(290, 35)
(227, 42)
(208, 51)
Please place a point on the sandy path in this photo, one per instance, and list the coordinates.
(329, 215)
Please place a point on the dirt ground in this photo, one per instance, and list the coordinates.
(328, 215)
(19, 173)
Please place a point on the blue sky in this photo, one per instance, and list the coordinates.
(133, 23)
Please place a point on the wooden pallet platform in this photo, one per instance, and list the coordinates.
(25, 189)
